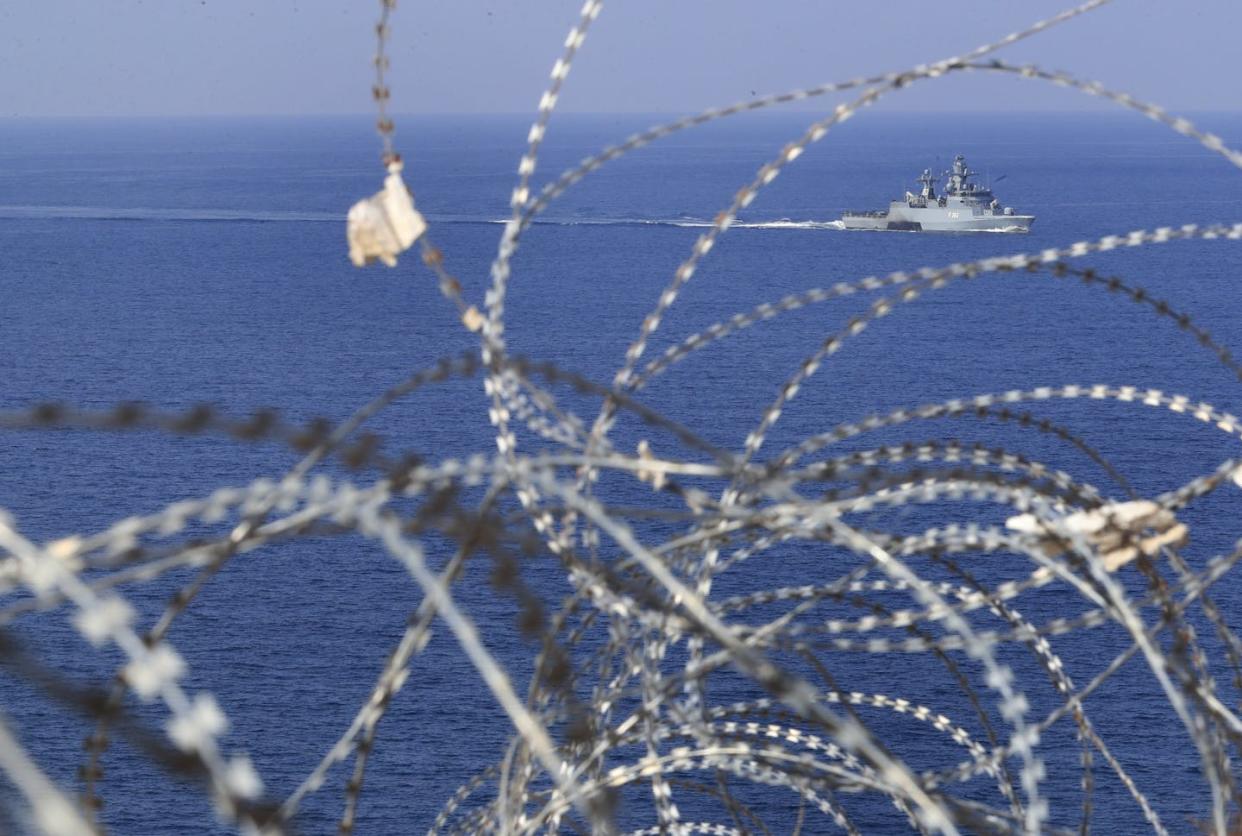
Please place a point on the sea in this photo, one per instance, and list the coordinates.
(178, 262)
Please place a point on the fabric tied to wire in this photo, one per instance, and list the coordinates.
(1119, 530)
(384, 225)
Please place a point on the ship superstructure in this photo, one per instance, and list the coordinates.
(963, 207)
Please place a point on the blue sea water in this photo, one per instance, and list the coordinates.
(180, 262)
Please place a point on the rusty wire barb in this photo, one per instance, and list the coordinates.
(619, 703)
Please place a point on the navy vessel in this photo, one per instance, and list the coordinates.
(963, 207)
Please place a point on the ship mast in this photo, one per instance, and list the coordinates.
(959, 175)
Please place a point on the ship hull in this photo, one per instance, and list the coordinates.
(916, 221)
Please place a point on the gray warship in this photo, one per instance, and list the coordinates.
(964, 207)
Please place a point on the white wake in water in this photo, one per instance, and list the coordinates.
(143, 213)
(113, 213)
(688, 223)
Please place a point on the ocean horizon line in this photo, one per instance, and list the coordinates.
(779, 112)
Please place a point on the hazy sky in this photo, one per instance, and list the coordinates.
(166, 57)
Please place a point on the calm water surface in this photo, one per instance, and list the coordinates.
(183, 262)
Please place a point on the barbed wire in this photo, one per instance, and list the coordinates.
(936, 546)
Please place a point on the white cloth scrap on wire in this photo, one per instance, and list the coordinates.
(384, 225)
(1119, 530)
